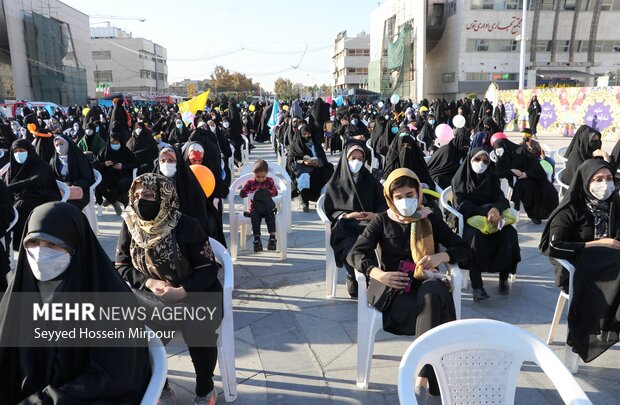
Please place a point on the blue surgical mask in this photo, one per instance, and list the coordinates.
(20, 157)
(115, 146)
(394, 130)
(432, 122)
(180, 126)
(96, 129)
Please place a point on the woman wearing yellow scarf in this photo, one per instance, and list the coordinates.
(408, 236)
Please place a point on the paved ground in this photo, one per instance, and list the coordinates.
(295, 346)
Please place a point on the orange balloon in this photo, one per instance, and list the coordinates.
(205, 178)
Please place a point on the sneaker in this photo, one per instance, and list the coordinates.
(272, 244)
(536, 221)
(504, 287)
(480, 294)
(118, 208)
(306, 207)
(209, 399)
(167, 397)
(258, 245)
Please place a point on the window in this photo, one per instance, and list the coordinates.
(504, 76)
(563, 46)
(145, 74)
(616, 46)
(102, 55)
(390, 26)
(514, 4)
(477, 76)
(547, 4)
(607, 5)
(489, 4)
(358, 52)
(103, 76)
(507, 45)
(570, 4)
(582, 46)
(482, 45)
(543, 46)
(451, 8)
(448, 77)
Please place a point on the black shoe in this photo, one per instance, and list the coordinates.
(105, 203)
(352, 287)
(272, 244)
(118, 208)
(536, 221)
(306, 207)
(480, 294)
(258, 245)
(504, 287)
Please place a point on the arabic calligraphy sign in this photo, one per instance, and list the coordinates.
(513, 26)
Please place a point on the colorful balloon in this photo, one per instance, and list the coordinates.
(85, 111)
(444, 134)
(458, 121)
(252, 108)
(496, 136)
(205, 178)
(395, 98)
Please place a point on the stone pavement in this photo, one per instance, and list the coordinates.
(295, 346)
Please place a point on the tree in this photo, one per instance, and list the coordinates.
(224, 81)
(284, 89)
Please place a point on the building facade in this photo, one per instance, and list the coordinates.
(128, 65)
(45, 52)
(350, 61)
(469, 43)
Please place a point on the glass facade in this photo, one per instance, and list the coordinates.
(6, 70)
(56, 74)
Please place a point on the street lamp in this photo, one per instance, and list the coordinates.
(523, 44)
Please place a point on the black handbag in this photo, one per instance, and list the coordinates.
(380, 296)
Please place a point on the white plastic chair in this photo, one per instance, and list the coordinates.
(477, 361)
(559, 154)
(571, 360)
(446, 198)
(5, 169)
(226, 339)
(374, 162)
(89, 210)
(159, 371)
(278, 170)
(11, 225)
(245, 150)
(547, 149)
(239, 223)
(427, 158)
(231, 163)
(561, 183)
(331, 271)
(64, 190)
(370, 321)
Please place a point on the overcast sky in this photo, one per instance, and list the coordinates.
(264, 39)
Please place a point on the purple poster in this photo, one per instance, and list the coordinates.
(598, 116)
(547, 115)
(510, 112)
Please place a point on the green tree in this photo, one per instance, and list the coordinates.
(284, 89)
(225, 81)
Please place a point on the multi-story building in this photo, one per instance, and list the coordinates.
(459, 47)
(45, 52)
(129, 65)
(350, 61)
(189, 88)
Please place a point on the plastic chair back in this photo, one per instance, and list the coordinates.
(559, 154)
(447, 197)
(64, 190)
(159, 369)
(561, 183)
(89, 209)
(479, 360)
(331, 271)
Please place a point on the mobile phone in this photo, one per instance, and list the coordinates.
(408, 268)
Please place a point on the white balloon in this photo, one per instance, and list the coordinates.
(458, 121)
(380, 104)
(395, 98)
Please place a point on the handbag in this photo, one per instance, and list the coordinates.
(380, 296)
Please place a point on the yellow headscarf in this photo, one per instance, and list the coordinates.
(421, 242)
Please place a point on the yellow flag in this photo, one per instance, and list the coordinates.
(195, 104)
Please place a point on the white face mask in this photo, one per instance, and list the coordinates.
(225, 124)
(47, 263)
(168, 169)
(355, 165)
(138, 130)
(406, 206)
(89, 132)
(601, 190)
(499, 152)
(479, 167)
(212, 128)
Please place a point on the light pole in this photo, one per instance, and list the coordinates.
(523, 44)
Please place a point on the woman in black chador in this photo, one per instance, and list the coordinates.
(61, 254)
(585, 230)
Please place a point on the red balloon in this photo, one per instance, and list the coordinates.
(205, 178)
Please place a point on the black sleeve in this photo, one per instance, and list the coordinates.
(456, 247)
(561, 235)
(86, 176)
(362, 256)
(40, 178)
(468, 208)
(123, 261)
(200, 256)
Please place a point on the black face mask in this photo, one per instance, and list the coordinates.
(147, 210)
(526, 139)
(594, 145)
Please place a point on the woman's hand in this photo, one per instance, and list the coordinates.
(395, 279)
(172, 294)
(108, 163)
(118, 166)
(516, 172)
(156, 285)
(601, 153)
(493, 216)
(605, 242)
(367, 216)
(354, 215)
(431, 262)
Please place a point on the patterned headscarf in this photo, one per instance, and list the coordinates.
(151, 247)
